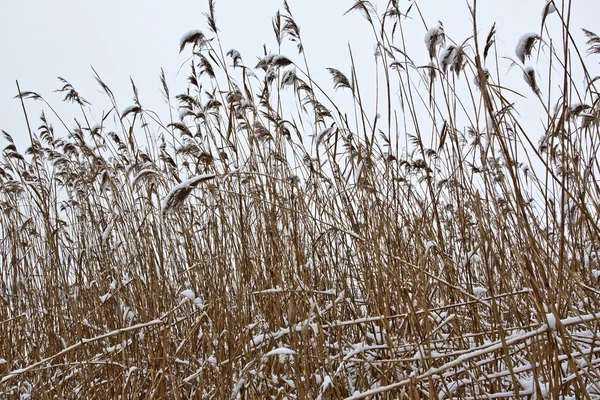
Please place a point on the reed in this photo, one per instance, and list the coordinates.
(268, 240)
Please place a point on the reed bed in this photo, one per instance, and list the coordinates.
(272, 236)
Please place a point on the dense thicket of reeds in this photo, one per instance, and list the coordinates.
(424, 243)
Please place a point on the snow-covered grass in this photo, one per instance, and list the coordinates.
(423, 244)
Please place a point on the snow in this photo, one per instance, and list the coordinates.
(281, 351)
(531, 388)
(141, 174)
(167, 203)
(470, 258)
(326, 384)
(237, 388)
(430, 245)
(447, 57)
(551, 321)
(548, 9)
(525, 45)
(198, 301)
(130, 109)
(257, 340)
(479, 291)
(128, 315)
(353, 234)
(529, 76)
(290, 383)
(324, 134)
(272, 290)
(266, 61)
(462, 359)
(288, 77)
(189, 294)
(435, 37)
(189, 37)
(95, 129)
(107, 231)
(281, 60)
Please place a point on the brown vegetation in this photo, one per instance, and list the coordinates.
(433, 249)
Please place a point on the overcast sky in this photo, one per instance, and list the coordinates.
(43, 39)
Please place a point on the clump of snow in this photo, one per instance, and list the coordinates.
(430, 245)
(290, 383)
(180, 192)
(551, 321)
(107, 231)
(211, 360)
(326, 384)
(257, 340)
(188, 294)
(128, 315)
(470, 258)
(447, 57)
(324, 134)
(590, 257)
(199, 302)
(434, 38)
(143, 173)
(525, 45)
(549, 8)
(479, 291)
(289, 77)
(237, 388)
(95, 129)
(276, 289)
(529, 76)
(190, 37)
(273, 60)
(135, 108)
(530, 387)
(281, 351)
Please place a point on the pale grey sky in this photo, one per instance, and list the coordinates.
(42, 40)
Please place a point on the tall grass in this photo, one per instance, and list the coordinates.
(422, 243)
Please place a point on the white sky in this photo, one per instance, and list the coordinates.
(41, 40)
